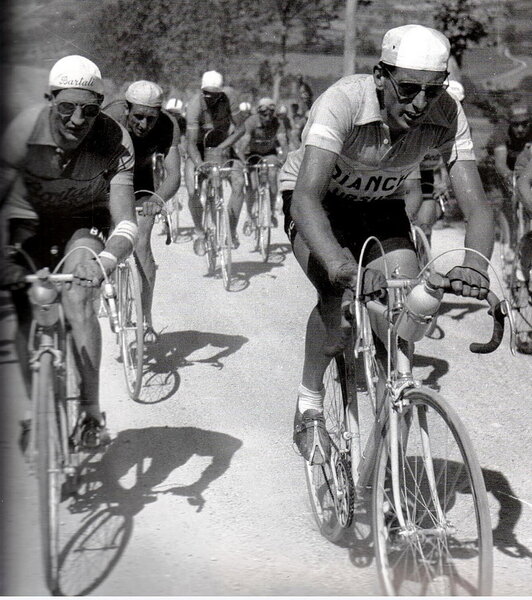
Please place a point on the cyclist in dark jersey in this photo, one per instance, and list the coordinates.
(152, 131)
(264, 135)
(66, 176)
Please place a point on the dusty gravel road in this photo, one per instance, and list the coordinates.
(200, 492)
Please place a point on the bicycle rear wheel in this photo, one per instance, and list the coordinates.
(49, 469)
(445, 545)
(264, 222)
(131, 325)
(330, 485)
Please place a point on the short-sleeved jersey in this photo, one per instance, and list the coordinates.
(160, 139)
(263, 138)
(503, 136)
(347, 121)
(523, 158)
(44, 180)
(221, 116)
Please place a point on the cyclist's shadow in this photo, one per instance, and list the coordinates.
(178, 349)
(244, 271)
(117, 484)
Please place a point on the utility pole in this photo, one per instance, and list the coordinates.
(350, 41)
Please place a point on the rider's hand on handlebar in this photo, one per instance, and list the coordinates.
(373, 281)
(151, 207)
(88, 274)
(468, 281)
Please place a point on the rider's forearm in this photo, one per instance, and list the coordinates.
(170, 185)
(229, 141)
(193, 152)
(480, 233)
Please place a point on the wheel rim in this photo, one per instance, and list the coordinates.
(445, 552)
(131, 328)
(265, 224)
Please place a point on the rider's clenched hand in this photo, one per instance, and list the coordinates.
(468, 281)
(88, 274)
(151, 207)
(373, 281)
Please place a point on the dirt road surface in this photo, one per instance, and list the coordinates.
(200, 492)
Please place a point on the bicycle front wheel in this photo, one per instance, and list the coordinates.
(224, 246)
(264, 224)
(131, 325)
(49, 469)
(504, 252)
(432, 535)
(330, 485)
(210, 235)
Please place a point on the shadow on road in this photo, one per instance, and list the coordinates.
(116, 485)
(439, 366)
(242, 272)
(178, 349)
(462, 310)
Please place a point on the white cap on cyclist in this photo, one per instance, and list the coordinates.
(456, 89)
(174, 104)
(145, 93)
(75, 72)
(266, 103)
(244, 107)
(415, 47)
(212, 81)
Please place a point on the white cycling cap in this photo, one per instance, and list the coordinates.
(75, 72)
(266, 103)
(145, 93)
(244, 106)
(456, 89)
(174, 104)
(212, 81)
(415, 47)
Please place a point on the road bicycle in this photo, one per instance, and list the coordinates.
(256, 176)
(122, 301)
(214, 190)
(55, 448)
(403, 472)
(171, 223)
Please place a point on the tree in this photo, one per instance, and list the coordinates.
(463, 22)
(351, 34)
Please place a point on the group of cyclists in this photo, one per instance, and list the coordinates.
(78, 173)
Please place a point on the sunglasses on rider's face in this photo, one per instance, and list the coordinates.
(265, 111)
(523, 124)
(66, 108)
(408, 90)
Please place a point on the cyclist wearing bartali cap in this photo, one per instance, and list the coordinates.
(365, 136)
(264, 135)
(152, 131)
(66, 176)
(215, 110)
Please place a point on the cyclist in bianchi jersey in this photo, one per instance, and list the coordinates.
(152, 131)
(66, 175)
(365, 136)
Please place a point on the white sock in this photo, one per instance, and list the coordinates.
(309, 399)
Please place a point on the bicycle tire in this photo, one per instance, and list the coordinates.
(521, 303)
(264, 223)
(131, 326)
(173, 217)
(49, 473)
(446, 554)
(423, 249)
(225, 243)
(332, 504)
(209, 226)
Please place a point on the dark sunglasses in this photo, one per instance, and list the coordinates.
(523, 124)
(67, 109)
(265, 111)
(407, 91)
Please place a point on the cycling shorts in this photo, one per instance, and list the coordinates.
(352, 223)
(45, 240)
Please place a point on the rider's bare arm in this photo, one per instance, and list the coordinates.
(171, 182)
(235, 136)
(413, 196)
(478, 215)
(500, 155)
(307, 211)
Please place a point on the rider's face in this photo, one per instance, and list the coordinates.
(408, 94)
(72, 115)
(520, 128)
(211, 98)
(141, 119)
(265, 115)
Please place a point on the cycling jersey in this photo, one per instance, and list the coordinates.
(48, 183)
(263, 137)
(161, 138)
(220, 116)
(369, 166)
